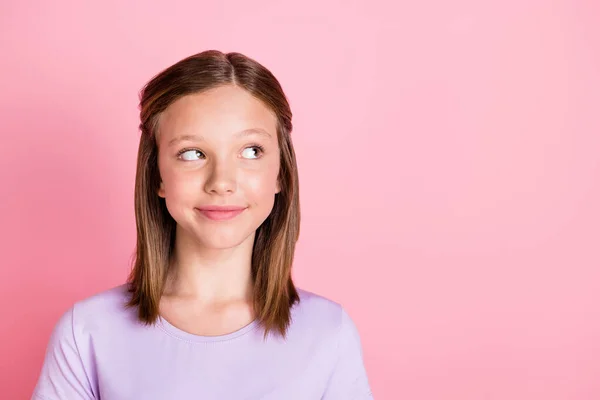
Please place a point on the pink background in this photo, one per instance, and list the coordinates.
(449, 163)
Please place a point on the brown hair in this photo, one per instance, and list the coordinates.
(275, 240)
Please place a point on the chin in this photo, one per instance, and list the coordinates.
(218, 235)
(222, 238)
(221, 243)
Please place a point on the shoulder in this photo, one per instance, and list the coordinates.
(317, 305)
(105, 302)
(321, 315)
(95, 319)
(329, 326)
(103, 310)
(68, 370)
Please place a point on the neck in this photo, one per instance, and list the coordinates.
(209, 275)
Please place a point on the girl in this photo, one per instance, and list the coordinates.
(209, 310)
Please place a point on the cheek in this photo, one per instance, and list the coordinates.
(260, 186)
(179, 186)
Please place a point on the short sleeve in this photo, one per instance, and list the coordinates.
(63, 374)
(349, 379)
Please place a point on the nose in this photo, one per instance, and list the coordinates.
(221, 178)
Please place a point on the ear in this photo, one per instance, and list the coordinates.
(277, 187)
(161, 190)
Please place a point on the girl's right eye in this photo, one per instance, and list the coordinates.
(191, 155)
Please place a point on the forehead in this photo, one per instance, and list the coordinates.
(220, 112)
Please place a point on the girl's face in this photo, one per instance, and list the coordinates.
(218, 149)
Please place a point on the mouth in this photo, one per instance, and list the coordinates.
(220, 213)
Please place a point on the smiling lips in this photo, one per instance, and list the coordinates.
(220, 213)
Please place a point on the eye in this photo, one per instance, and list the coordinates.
(191, 155)
(252, 152)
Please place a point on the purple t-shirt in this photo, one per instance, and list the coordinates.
(98, 350)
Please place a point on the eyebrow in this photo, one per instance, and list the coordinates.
(244, 133)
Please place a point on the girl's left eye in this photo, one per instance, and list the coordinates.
(252, 152)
